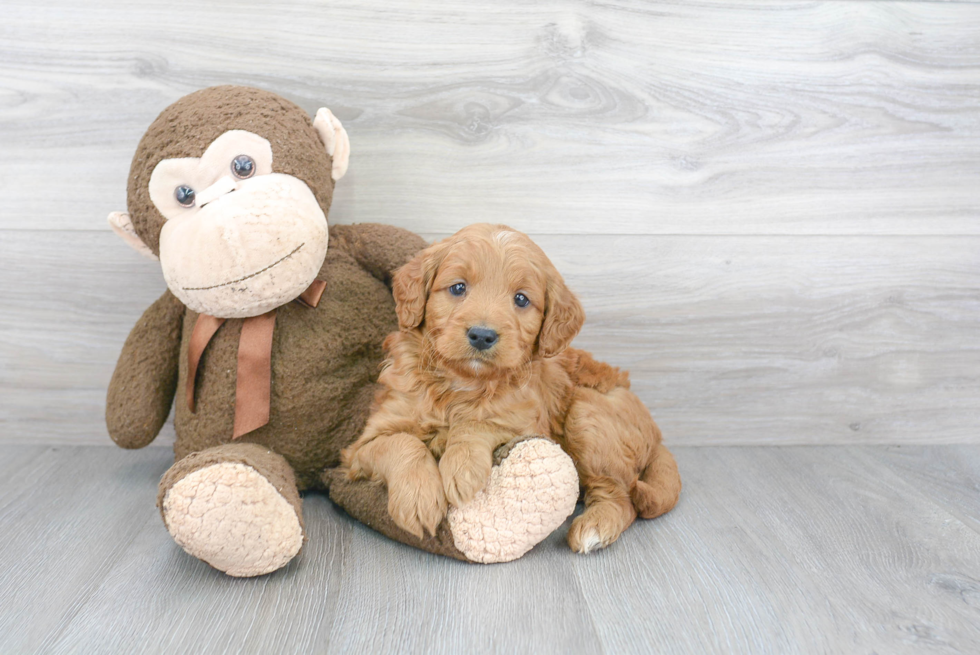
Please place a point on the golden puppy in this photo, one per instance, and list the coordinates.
(482, 357)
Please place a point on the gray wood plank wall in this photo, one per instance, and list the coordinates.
(770, 210)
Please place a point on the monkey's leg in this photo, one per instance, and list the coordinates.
(531, 490)
(236, 507)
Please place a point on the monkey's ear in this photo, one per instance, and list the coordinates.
(334, 137)
(123, 226)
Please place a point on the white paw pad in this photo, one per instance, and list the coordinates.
(529, 495)
(231, 516)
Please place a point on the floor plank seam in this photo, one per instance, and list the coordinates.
(585, 599)
(952, 511)
(26, 490)
(49, 643)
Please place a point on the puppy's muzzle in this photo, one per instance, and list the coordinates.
(481, 338)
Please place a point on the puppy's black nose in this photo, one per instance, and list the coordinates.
(481, 338)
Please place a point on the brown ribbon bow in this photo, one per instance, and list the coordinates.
(253, 380)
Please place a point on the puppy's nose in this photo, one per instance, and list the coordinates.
(481, 338)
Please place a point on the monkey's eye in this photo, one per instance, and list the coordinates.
(458, 289)
(521, 300)
(184, 195)
(243, 167)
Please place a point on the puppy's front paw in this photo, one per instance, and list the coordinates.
(355, 471)
(465, 469)
(416, 501)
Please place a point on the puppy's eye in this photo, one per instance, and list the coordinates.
(184, 195)
(457, 289)
(243, 167)
(521, 300)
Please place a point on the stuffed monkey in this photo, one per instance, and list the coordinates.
(268, 340)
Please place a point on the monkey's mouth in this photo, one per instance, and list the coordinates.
(250, 275)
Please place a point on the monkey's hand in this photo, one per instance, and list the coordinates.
(145, 380)
(380, 249)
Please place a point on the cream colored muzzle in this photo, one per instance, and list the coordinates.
(246, 248)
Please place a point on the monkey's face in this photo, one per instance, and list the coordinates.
(229, 188)
(239, 240)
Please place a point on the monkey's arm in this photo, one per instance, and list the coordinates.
(143, 385)
(380, 249)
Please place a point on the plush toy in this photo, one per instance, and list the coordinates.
(269, 338)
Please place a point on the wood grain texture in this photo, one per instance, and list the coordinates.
(411, 602)
(183, 605)
(770, 209)
(569, 116)
(949, 476)
(790, 550)
(771, 550)
(66, 515)
(728, 339)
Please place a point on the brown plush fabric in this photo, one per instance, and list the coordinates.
(367, 502)
(188, 126)
(145, 379)
(324, 367)
(324, 371)
(269, 464)
(373, 248)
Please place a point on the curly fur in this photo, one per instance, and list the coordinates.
(442, 398)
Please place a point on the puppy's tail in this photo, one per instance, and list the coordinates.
(658, 487)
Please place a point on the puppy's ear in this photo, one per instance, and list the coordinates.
(563, 317)
(412, 283)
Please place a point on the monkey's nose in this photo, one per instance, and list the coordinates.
(481, 338)
(223, 186)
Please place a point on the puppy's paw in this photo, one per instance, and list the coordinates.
(465, 469)
(592, 531)
(416, 501)
(351, 459)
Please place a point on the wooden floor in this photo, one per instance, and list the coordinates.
(771, 550)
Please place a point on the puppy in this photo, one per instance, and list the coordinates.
(482, 357)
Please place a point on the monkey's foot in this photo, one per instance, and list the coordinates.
(532, 490)
(232, 517)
